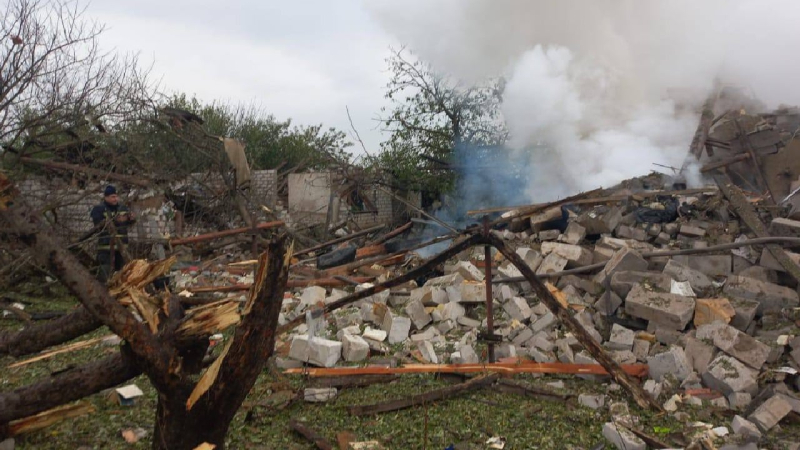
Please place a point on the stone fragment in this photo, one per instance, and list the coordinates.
(375, 334)
(608, 303)
(771, 297)
(653, 388)
(354, 348)
(548, 235)
(622, 438)
(670, 310)
(428, 334)
(397, 327)
(416, 312)
(672, 362)
(468, 355)
(543, 323)
(710, 310)
(680, 272)
(517, 308)
(623, 356)
(319, 395)
(768, 261)
(662, 238)
(727, 375)
(769, 413)
(592, 401)
(445, 325)
(621, 338)
(565, 353)
(316, 351)
(454, 279)
(736, 343)
(452, 311)
(468, 322)
(522, 336)
(711, 265)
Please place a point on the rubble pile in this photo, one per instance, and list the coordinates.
(717, 324)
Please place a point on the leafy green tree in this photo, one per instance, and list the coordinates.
(433, 118)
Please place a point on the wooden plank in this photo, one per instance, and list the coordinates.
(637, 370)
(225, 233)
(339, 240)
(428, 397)
(307, 432)
(396, 232)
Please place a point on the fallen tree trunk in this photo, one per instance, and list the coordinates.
(68, 386)
(35, 338)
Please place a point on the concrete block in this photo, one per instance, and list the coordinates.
(397, 327)
(468, 271)
(473, 292)
(576, 255)
(452, 311)
(727, 375)
(316, 351)
(711, 265)
(743, 427)
(670, 310)
(627, 232)
(662, 238)
(552, 263)
(690, 231)
(541, 356)
(468, 355)
(653, 388)
(738, 401)
(548, 235)
(602, 253)
(769, 413)
(518, 309)
(565, 353)
(354, 348)
(624, 259)
(600, 220)
(673, 362)
(468, 322)
(312, 295)
(641, 349)
(319, 395)
(445, 326)
(545, 322)
(768, 261)
(770, 297)
(621, 338)
(416, 312)
(784, 227)
(699, 354)
(426, 335)
(745, 312)
(427, 351)
(735, 343)
(374, 334)
(711, 310)
(531, 257)
(623, 356)
(758, 273)
(679, 272)
(454, 279)
(592, 401)
(608, 303)
(574, 233)
(623, 281)
(622, 438)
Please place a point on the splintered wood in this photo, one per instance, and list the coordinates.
(49, 417)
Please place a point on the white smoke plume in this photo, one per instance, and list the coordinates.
(601, 90)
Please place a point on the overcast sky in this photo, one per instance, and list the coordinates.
(304, 60)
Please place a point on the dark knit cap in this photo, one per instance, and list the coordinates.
(110, 190)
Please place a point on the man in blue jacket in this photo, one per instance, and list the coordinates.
(113, 219)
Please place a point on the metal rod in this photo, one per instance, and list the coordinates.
(487, 265)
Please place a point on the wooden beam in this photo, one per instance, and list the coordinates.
(339, 240)
(396, 232)
(636, 370)
(225, 233)
(307, 432)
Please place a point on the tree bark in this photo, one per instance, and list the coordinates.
(35, 338)
(253, 343)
